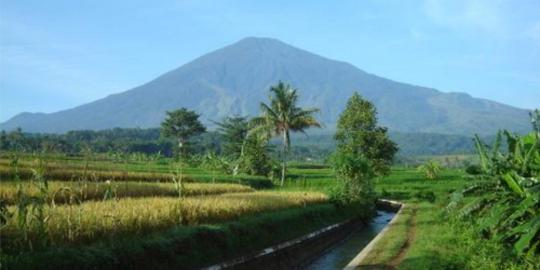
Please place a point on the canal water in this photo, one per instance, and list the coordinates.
(342, 253)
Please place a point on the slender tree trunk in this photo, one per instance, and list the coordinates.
(237, 166)
(284, 162)
(181, 146)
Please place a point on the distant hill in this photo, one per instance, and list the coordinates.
(410, 144)
(234, 79)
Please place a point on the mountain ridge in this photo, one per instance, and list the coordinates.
(235, 78)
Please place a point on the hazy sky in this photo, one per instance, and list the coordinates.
(55, 55)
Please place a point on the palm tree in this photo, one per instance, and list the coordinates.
(283, 116)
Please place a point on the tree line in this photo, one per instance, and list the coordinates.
(242, 144)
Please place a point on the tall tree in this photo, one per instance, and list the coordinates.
(358, 134)
(233, 131)
(182, 124)
(282, 116)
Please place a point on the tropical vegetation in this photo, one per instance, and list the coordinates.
(431, 169)
(283, 116)
(184, 197)
(506, 206)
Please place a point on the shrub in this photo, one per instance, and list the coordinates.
(431, 169)
(355, 176)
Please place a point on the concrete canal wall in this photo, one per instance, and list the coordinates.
(297, 253)
(391, 206)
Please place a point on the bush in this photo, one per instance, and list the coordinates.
(431, 169)
(256, 160)
(355, 175)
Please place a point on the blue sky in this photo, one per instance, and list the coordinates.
(56, 55)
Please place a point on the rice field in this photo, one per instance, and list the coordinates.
(61, 192)
(90, 221)
(73, 169)
(57, 204)
(94, 175)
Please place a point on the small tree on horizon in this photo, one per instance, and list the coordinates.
(282, 116)
(182, 124)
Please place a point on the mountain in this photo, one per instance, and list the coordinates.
(234, 79)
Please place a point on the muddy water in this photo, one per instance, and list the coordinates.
(342, 253)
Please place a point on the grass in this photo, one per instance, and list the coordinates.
(135, 216)
(147, 227)
(78, 191)
(439, 242)
(392, 243)
(320, 179)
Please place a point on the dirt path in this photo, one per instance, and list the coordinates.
(411, 235)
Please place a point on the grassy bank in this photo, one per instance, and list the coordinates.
(426, 237)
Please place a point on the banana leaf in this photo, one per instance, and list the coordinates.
(528, 231)
(512, 183)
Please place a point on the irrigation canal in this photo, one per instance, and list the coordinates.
(343, 252)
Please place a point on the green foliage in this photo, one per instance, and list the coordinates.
(431, 169)
(118, 141)
(182, 124)
(473, 169)
(282, 117)
(508, 208)
(215, 164)
(356, 180)
(535, 120)
(255, 159)
(417, 144)
(425, 195)
(135, 144)
(358, 133)
(363, 151)
(233, 131)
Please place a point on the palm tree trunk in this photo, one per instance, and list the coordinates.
(284, 162)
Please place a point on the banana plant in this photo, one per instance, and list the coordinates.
(215, 163)
(507, 207)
